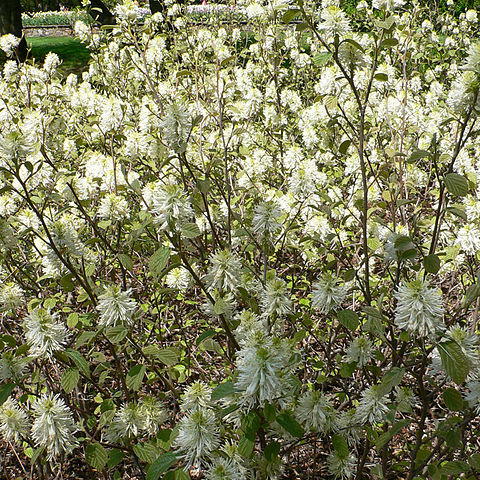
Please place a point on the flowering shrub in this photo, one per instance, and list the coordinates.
(246, 252)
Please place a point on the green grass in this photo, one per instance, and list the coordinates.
(74, 55)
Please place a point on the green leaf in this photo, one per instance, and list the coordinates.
(223, 390)
(456, 184)
(79, 360)
(271, 451)
(205, 335)
(349, 319)
(135, 377)
(290, 424)
(245, 447)
(340, 445)
(115, 457)
(454, 361)
(146, 452)
(417, 155)
(431, 263)
(454, 467)
(116, 334)
(66, 283)
(322, 58)
(126, 261)
(385, 437)
(473, 292)
(389, 42)
(70, 379)
(474, 461)
(190, 230)
(289, 15)
(161, 465)
(158, 261)
(382, 77)
(5, 391)
(96, 456)
(391, 379)
(169, 356)
(453, 399)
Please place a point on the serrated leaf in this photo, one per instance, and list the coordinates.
(70, 379)
(431, 263)
(169, 356)
(146, 452)
(190, 230)
(116, 334)
(455, 467)
(158, 260)
(340, 445)
(96, 456)
(454, 361)
(223, 390)
(349, 319)
(456, 184)
(390, 380)
(290, 424)
(474, 461)
(135, 377)
(204, 336)
(161, 465)
(245, 447)
(79, 360)
(289, 15)
(453, 399)
(115, 456)
(322, 58)
(473, 292)
(5, 391)
(385, 437)
(126, 261)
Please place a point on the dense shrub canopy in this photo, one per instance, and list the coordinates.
(245, 251)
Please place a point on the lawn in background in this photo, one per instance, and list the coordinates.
(74, 55)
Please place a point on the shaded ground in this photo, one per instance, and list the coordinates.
(74, 55)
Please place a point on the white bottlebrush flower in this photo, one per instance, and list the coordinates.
(334, 21)
(341, 467)
(51, 62)
(468, 239)
(176, 127)
(13, 421)
(7, 238)
(463, 91)
(348, 426)
(129, 420)
(11, 296)
(372, 407)
(360, 351)
(419, 308)
(196, 396)
(274, 298)
(113, 207)
(53, 427)
(154, 413)
(262, 366)
(266, 220)
(116, 307)
(328, 294)
(315, 412)
(170, 204)
(473, 395)
(250, 323)
(44, 332)
(9, 43)
(224, 469)
(11, 367)
(178, 278)
(198, 435)
(225, 271)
